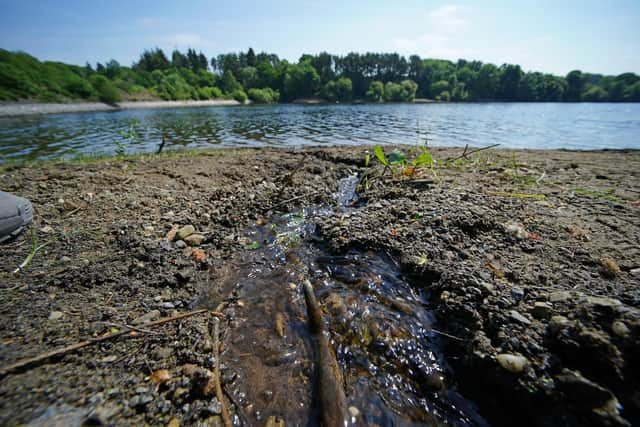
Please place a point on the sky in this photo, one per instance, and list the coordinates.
(550, 36)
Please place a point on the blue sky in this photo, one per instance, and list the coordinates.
(550, 36)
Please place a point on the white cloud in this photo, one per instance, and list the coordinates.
(447, 26)
(185, 40)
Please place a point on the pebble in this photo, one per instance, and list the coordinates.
(517, 293)
(603, 302)
(56, 315)
(167, 306)
(47, 229)
(519, 317)
(559, 296)
(180, 244)
(512, 362)
(162, 353)
(620, 329)
(516, 230)
(215, 407)
(541, 310)
(353, 411)
(138, 401)
(185, 231)
(194, 240)
(557, 323)
(148, 317)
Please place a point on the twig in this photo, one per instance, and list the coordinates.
(293, 199)
(444, 334)
(465, 154)
(73, 211)
(330, 392)
(541, 177)
(134, 328)
(216, 372)
(69, 349)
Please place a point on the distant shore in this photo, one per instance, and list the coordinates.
(12, 109)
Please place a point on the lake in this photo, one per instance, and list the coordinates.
(513, 125)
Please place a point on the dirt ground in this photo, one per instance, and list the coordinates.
(531, 260)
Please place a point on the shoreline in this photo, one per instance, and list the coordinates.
(530, 272)
(15, 109)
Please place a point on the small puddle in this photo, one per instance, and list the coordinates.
(394, 372)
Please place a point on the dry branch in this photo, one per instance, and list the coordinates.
(24, 363)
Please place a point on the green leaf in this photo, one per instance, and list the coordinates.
(252, 246)
(423, 159)
(397, 157)
(377, 150)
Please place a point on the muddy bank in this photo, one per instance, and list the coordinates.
(11, 109)
(529, 261)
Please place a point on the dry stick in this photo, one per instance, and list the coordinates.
(293, 199)
(465, 154)
(216, 372)
(69, 349)
(331, 394)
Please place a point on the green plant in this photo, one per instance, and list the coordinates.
(128, 136)
(397, 160)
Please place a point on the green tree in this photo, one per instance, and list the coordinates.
(376, 91)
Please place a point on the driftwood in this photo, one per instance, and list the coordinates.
(215, 332)
(465, 153)
(24, 363)
(330, 391)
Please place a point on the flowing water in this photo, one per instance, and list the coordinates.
(513, 125)
(381, 330)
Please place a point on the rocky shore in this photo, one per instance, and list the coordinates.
(12, 109)
(530, 261)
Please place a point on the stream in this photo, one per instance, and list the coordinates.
(393, 368)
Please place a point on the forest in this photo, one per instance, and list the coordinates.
(267, 78)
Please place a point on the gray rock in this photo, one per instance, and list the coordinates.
(557, 323)
(603, 302)
(581, 391)
(148, 317)
(519, 317)
(512, 362)
(180, 244)
(162, 353)
(185, 231)
(194, 240)
(517, 293)
(140, 400)
(541, 310)
(56, 315)
(167, 306)
(559, 296)
(620, 329)
(215, 407)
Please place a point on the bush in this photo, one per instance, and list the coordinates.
(107, 91)
(209, 93)
(239, 95)
(264, 96)
(400, 92)
(376, 91)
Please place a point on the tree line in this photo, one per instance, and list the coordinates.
(266, 78)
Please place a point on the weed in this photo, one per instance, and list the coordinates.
(609, 195)
(128, 137)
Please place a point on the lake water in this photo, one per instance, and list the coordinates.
(513, 125)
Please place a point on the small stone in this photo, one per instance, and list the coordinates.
(167, 306)
(609, 267)
(56, 315)
(109, 359)
(180, 244)
(488, 287)
(541, 310)
(46, 229)
(353, 411)
(603, 302)
(559, 296)
(148, 317)
(582, 391)
(140, 401)
(512, 362)
(65, 259)
(185, 231)
(215, 407)
(194, 240)
(558, 323)
(162, 353)
(519, 317)
(516, 230)
(517, 293)
(620, 329)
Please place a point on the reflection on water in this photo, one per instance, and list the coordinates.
(515, 125)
